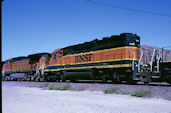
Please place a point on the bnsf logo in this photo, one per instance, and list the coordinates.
(83, 58)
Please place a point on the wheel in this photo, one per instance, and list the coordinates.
(6, 78)
(115, 81)
(42, 79)
(37, 79)
(130, 79)
(147, 78)
(11, 79)
(46, 79)
(32, 78)
(62, 77)
(132, 82)
(73, 80)
(148, 81)
(104, 79)
(168, 81)
(115, 78)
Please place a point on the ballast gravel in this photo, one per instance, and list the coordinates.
(19, 99)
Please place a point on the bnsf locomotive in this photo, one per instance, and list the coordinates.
(115, 58)
(31, 66)
(112, 58)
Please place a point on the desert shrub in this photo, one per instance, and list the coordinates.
(168, 97)
(78, 89)
(114, 90)
(61, 87)
(43, 85)
(142, 93)
(58, 87)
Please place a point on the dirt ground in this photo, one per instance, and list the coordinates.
(17, 99)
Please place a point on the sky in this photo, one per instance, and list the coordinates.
(34, 26)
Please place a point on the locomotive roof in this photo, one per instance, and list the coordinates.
(104, 38)
(56, 50)
(19, 58)
(38, 54)
(35, 57)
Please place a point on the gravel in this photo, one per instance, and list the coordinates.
(26, 97)
(157, 91)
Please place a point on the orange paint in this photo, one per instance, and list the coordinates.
(123, 53)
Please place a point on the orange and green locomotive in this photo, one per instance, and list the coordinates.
(112, 58)
(25, 67)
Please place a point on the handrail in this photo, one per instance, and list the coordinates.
(37, 69)
(140, 61)
(133, 61)
(158, 60)
(151, 62)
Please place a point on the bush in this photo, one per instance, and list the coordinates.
(58, 87)
(142, 93)
(169, 97)
(43, 85)
(78, 89)
(114, 90)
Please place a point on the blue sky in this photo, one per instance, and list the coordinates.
(34, 26)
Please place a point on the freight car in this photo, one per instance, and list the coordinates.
(30, 66)
(165, 67)
(112, 58)
(157, 70)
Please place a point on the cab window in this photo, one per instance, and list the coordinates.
(60, 54)
(54, 56)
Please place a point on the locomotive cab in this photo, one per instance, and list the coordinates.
(55, 57)
(132, 40)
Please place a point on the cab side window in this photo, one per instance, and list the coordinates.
(54, 56)
(60, 54)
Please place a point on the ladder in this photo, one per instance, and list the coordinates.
(155, 66)
(42, 67)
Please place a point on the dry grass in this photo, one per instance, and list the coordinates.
(114, 90)
(61, 87)
(142, 93)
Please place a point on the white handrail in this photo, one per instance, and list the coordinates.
(133, 61)
(37, 69)
(42, 67)
(151, 62)
(140, 61)
(158, 60)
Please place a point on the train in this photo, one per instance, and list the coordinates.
(25, 67)
(116, 58)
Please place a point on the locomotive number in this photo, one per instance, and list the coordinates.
(83, 58)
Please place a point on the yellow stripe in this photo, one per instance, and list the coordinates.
(88, 67)
(94, 62)
(165, 61)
